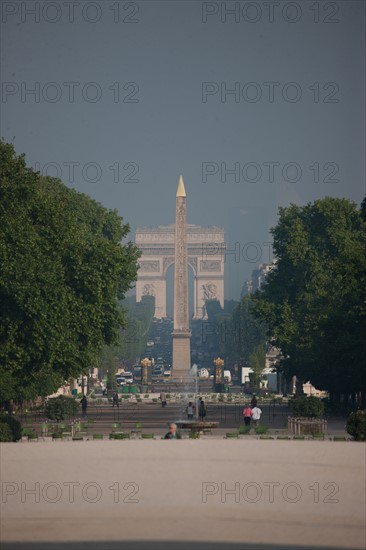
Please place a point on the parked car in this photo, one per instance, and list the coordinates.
(203, 374)
(158, 371)
(128, 376)
(137, 371)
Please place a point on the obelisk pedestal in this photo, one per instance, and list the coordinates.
(181, 333)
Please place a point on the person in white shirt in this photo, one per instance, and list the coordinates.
(190, 410)
(256, 415)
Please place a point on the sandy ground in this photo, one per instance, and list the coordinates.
(226, 493)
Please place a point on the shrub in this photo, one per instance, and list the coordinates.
(261, 430)
(14, 425)
(244, 430)
(356, 425)
(308, 407)
(5, 432)
(26, 432)
(61, 407)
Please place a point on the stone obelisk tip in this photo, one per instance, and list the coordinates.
(181, 192)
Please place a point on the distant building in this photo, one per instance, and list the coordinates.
(263, 271)
(249, 286)
(257, 278)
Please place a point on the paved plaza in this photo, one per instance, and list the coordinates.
(156, 419)
(201, 494)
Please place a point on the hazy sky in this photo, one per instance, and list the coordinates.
(142, 88)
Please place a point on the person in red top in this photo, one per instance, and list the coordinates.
(247, 414)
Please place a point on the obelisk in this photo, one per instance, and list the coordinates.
(181, 333)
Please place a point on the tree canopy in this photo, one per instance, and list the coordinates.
(133, 337)
(233, 332)
(63, 267)
(314, 301)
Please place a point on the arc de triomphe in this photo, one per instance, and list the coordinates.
(205, 256)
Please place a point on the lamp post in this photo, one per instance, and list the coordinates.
(219, 374)
(145, 372)
(194, 371)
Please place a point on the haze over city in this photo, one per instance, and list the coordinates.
(168, 88)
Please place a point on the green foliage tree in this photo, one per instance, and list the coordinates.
(5, 433)
(63, 267)
(356, 425)
(314, 301)
(14, 425)
(309, 407)
(61, 407)
(110, 365)
(243, 333)
(133, 337)
(257, 362)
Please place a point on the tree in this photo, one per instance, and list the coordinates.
(14, 426)
(356, 425)
(309, 407)
(61, 407)
(257, 363)
(314, 300)
(110, 366)
(132, 339)
(244, 333)
(63, 269)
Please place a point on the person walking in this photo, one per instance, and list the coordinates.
(190, 411)
(256, 415)
(84, 404)
(163, 399)
(202, 410)
(115, 402)
(247, 414)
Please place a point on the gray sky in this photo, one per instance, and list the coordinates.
(307, 77)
